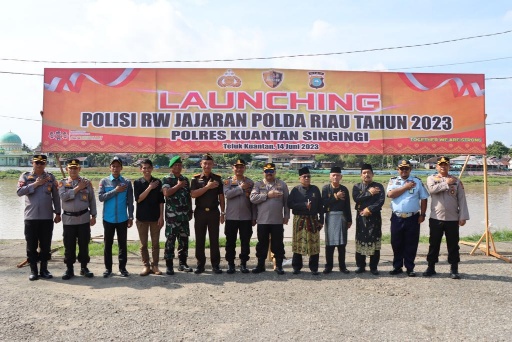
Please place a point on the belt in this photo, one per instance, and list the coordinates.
(404, 215)
(76, 213)
(208, 209)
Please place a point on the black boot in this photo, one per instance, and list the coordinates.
(69, 273)
(243, 267)
(454, 271)
(84, 271)
(260, 267)
(170, 269)
(431, 270)
(33, 271)
(231, 268)
(44, 273)
(279, 266)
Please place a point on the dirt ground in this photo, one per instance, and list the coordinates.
(262, 307)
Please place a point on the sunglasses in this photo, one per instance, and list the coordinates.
(269, 171)
(306, 176)
(40, 162)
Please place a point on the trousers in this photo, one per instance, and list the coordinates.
(151, 227)
(231, 229)
(70, 235)
(110, 230)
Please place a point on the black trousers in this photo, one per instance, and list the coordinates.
(405, 236)
(38, 233)
(374, 260)
(207, 221)
(108, 239)
(231, 229)
(451, 230)
(274, 233)
(313, 262)
(329, 256)
(70, 235)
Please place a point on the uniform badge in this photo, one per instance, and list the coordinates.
(272, 78)
(84, 197)
(49, 188)
(229, 79)
(316, 79)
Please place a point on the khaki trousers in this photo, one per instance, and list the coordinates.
(145, 227)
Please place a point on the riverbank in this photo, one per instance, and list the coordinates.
(263, 307)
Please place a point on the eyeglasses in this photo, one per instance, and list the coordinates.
(40, 162)
(269, 171)
(306, 176)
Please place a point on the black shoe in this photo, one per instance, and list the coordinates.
(454, 275)
(374, 271)
(314, 272)
(258, 269)
(231, 268)
(411, 273)
(296, 271)
(185, 268)
(68, 274)
(107, 273)
(344, 270)
(33, 276)
(45, 274)
(123, 272)
(169, 270)
(431, 271)
(84, 271)
(199, 270)
(360, 270)
(396, 271)
(327, 270)
(216, 270)
(243, 268)
(279, 270)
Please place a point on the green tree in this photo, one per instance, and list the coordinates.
(497, 149)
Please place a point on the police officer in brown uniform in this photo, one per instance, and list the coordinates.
(240, 216)
(448, 211)
(206, 187)
(41, 202)
(79, 206)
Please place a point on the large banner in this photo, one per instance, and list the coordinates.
(262, 111)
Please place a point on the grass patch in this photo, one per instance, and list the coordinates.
(96, 248)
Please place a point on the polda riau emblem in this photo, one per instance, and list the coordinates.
(273, 78)
(316, 79)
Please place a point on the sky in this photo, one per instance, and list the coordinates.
(135, 31)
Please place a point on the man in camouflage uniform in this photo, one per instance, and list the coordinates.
(178, 212)
(79, 206)
(41, 202)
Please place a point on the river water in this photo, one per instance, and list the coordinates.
(500, 213)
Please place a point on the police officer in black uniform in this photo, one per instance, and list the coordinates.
(206, 187)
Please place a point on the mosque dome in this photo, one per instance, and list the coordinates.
(10, 138)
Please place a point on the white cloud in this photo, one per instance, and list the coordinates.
(321, 29)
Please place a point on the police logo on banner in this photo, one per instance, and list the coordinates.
(316, 79)
(229, 79)
(273, 78)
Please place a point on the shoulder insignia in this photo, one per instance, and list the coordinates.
(226, 182)
(196, 175)
(394, 177)
(61, 184)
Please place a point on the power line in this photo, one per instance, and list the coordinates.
(450, 64)
(260, 58)
(13, 117)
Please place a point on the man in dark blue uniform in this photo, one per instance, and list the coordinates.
(408, 204)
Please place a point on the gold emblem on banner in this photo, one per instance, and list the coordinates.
(229, 79)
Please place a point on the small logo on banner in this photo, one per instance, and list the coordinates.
(58, 135)
(316, 79)
(229, 79)
(273, 78)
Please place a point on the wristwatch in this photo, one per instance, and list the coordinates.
(423, 215)
(223, 213)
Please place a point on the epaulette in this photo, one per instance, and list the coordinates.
(196, 175)
(394, 177)
(417, 178)
(226, 181)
